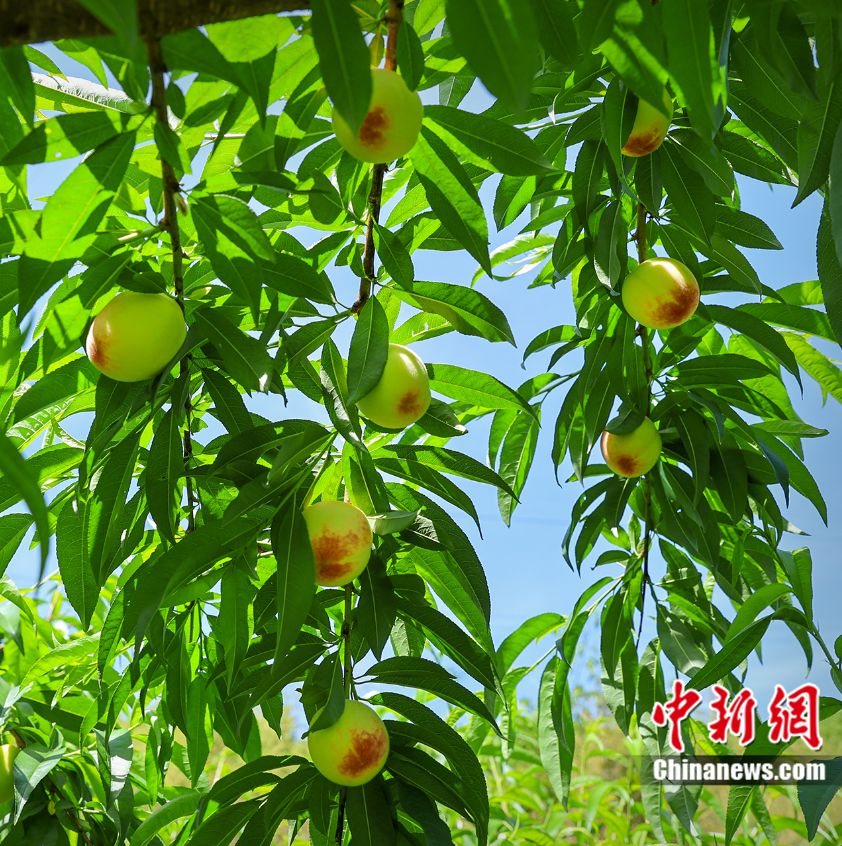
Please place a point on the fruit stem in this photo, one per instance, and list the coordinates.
(169, 223)
(646, 347)
(394, 17)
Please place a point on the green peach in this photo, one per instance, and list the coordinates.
(8, 753)
(354, 749)
(134, 337)
(651, 124)
(391, 126)
(340, 536)
(402, 396)
(661, 293)
(632, 454)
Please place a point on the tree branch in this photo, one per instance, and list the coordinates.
(169, 223)
(348, 675)
(52, 20)
(645, 342)
(394, 17)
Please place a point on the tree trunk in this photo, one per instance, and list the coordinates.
(31, 21)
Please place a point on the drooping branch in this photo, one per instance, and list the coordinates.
(51, 20)
(169, 223)
(375, 196)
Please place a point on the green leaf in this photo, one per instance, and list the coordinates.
(245, 358)
(516, 456)
(505, 148)
(830, 272)
(758, 330)
(556, 739)
(296, 575)
(183, 805)
(556, 30)
(370, 815)
(834, 197)
(410, 56)
(497, 38)
(817, 130)
(343, 414)
(596, 22)
(343, 58)
(705, 158)
(818, 365)
(450, 640)
(224, 824)
(369, 350)
(733, 652)
(466, 309)
(394, 255)
(690, 198)
(692, 60)
(814, 798)
(163, 469)
(63, 137)
(71, 217)
(479, 389)
(226, 224)
(406, 671)
(73, 95)
(75, 563)
(377, 606)
(431, 730)
(745, 229)
(452, 195)
(16, 470)
(32, 765)
(764, 597)
(714, 370)
(13, 527)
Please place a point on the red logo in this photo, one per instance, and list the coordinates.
(791, 715)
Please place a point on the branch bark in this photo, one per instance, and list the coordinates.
(52, 20)
(169, 223)
(394, 18)
(645, 342)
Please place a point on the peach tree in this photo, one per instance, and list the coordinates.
(243, 162)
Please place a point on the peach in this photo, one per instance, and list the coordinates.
(340, 535)
(650, 127)
(661, 293)
(391, 126)
(8, 753)
(402, 396)
(135, 336)
(632, 454)
(354, 749)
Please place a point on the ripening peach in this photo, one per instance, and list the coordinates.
(340, 535)
(8, 753)
(391, 126)
(635, 453)
(135, 336)
(650, 127)
(402, 396)
(354, 749)
(661, 293)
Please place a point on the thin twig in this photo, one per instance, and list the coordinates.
(348, 675)
(394, 17)
(645, 343)
(169, 223)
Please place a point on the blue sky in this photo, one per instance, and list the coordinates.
(525, 568)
